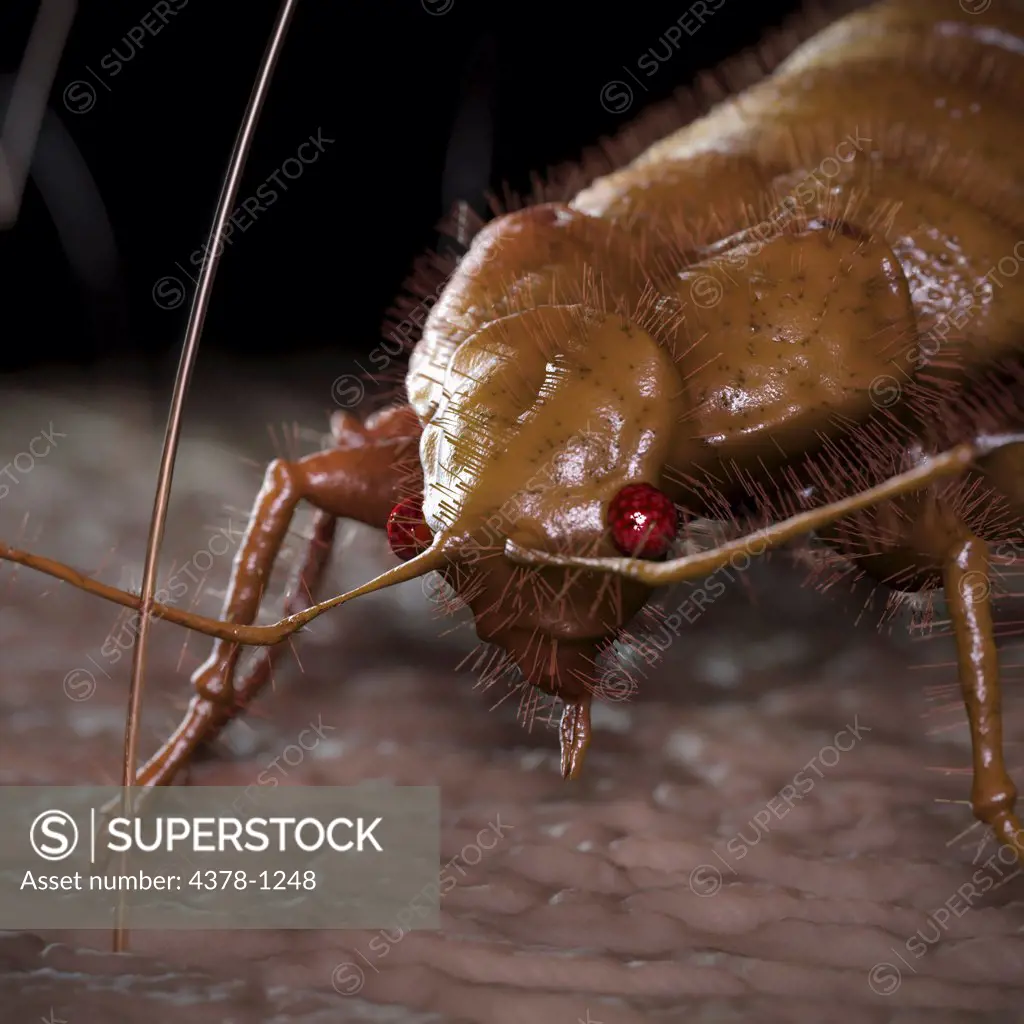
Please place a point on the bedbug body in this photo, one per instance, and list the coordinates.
(801, 307)
(805, 250)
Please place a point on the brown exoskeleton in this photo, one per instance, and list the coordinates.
(595, 371)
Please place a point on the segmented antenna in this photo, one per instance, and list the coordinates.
(190, 347)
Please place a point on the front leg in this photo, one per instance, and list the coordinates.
(969, 594)
(362, 479)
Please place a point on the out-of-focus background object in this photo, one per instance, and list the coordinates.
(415, 105)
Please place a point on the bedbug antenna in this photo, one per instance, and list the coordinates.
(253, 636)
(190, 347)
(949, 463)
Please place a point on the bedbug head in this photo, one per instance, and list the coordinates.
(552, 431)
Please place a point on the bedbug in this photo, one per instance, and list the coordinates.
(793, 315)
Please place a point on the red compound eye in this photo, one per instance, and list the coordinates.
(408, 534)
(643, 521)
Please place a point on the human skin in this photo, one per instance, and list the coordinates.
(597, 900)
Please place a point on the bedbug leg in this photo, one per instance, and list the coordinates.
(205, 718)
(362, 481)
(968, 591)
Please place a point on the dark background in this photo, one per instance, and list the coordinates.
(388, 81)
